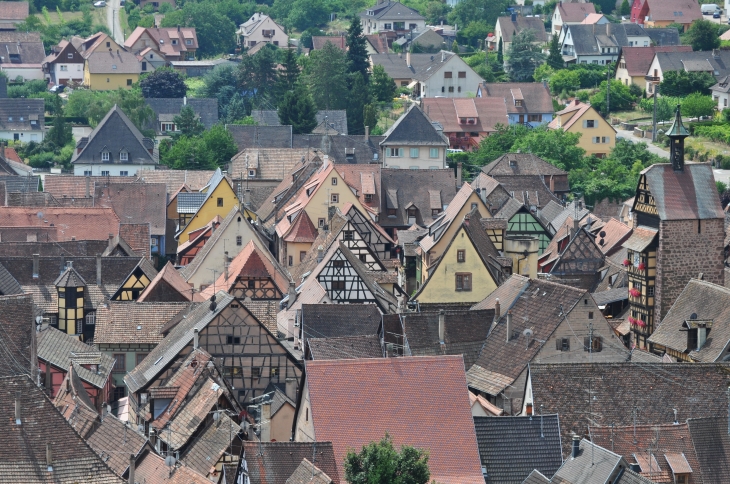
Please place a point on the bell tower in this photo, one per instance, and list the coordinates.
(677, 133)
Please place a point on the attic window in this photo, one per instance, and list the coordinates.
(104, 156)
(10, 118)
(123, 156)
(70, 56)
(174, 42)
(518, 103)
(114, 66)
(108, 44)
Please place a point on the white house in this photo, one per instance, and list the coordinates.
(22, 119)
(721, 93)
(261, 28)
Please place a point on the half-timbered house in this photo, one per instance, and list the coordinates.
(168, 286)
(249, 354)
(678, 233)
(573, 257)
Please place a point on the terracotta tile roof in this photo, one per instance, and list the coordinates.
(265, 311)
(151, 469)
(319, 41)
(333, 320)
(275, 462)
(17, 318)
(575, 12)
(712, 444)
(670, 443)
(168, 286)
(174, 179)
(506, 294)
(616, 234)
(137, 236)
(269, 163)
(708, 302)
(73, 401)
(302, 230)
(535, 96)
(271, 210)
(308, 473)
(440, 225)
(22, 455)
(638, 59)
(486, 405)
(365, 179)
(117, 322)
(136, 203)
(114, 441)
(13, 10)
(640, 238)
(618, 388)
(379, 43)
(362, 346)
(512, 447)
(490, 112)
(666, 10)
(511, 27)
(70, 223)
(437, 383)
(577, 108)
(250, 262)
(211, 444)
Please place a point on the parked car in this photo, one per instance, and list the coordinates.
(57, 88)
(716, 15)
(100, 3)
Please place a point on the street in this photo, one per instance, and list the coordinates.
(629, 135)
(112, 21)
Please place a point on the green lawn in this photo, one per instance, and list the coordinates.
(99, 15)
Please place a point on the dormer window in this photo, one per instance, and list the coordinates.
(104, 156)
(174, 42)
(518, 103)
(412, 215)
(123, 155)
(252, 173)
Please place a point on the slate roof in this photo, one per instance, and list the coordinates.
(336, 119)
(414, 128)
(443, 409)
(13, 11)
(8, 285)
(536, 96)
(117, 322)
(70, 186)
(709, 302)
(26, 45)
(261, 136)
(23, 453)
(684, 195)
(663, 37)
(205, 108)
(719, 62)
(115, 133)
(575, 12)
(361, 346)
(136, 203)
(21, 114)
(490, 112)
(423, 66)
(618, 388)
(593, 464)
(114, 441)
(275, 462)
(512, 447)
(510, 28)
(401, 188)
(270, 163)
(60, 349)
(638, 59)
(507, 293)
(588, 39)
(333, 320)
(17, 320)
(342, 149)
(390, 10)
(660, 10)
(712, 444)
(308, 473)
(512, 164)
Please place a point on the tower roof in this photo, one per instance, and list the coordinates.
(678, 128)
(69, 278)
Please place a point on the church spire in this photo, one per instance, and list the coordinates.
(677, 133)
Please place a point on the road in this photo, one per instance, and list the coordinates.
(112, 21)
(629, 135)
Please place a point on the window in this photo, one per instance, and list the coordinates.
(291, 260)
(104, 172)
(595, 346)
(473, 206)
(363, 258)
(606, 139)
(139, 357)
(368, 198)
(168, 127)
(233, 340)
(590, 123)
(460, 255)
(650, 290)
(220, 202)
(64, 68)
(534, 118)
(462, 74)
(451, 88)
(174, 41)
(414, 152)
(590, 314)
(124, 173)
(391, 212)
(435, 212)
(334, 181)
(252, 173)
(119, 392)
(338, 285)
(188, 41)
(129, 82)
(302, 255)
(447, 75)
(387, 26)
(338, 263)
(562, 344)
(123, 156)
(320, 222)
(458, 88)
(348, 235)
(463, 281)
(144, 66)
(108, 44)
(433, 153)
(443, 89)
(395, 152)
(239, 240)
(90, 318)
(104, 156)
(251, 284)
(70, 56)
(120, 363)
(335, 198)
(87, 172)
(153, 242)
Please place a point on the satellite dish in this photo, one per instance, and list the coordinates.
(528, 332)
(39, 215)
(601, 242)
(169, 461)
(602, 233)
(693, 316)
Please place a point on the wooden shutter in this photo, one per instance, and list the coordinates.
(559, 344)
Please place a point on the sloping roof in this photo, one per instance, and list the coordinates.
(506, 294)
(618, 388)
(530, 190)
(593, 464)
(510, 27)
(536, 477)
(74, 403)
(708, 302)
(18, 114)
(336, 119)
(114, 441)
(168, 279)
(8, 285)
(511, 164)
(332, 320)
(163, 40)
(117, 322)
(440, 225)
(361, 346)
(414, 128)
(152, 469)
(17, 319)
(324, 239)
(342, 149)
(390, 10)
(114, 134)
(575, 12)
(577, 108)
(302, 230)
(684, 195)
(60, 349)
(174, 179)
(308, 473)
(616, 233)
(261, 136)
(105, 61)
(366, 180)
(638, 59)
(70, 186)
(423, 66)
(319, 41)
(512, 447)
(136, 203)
(405, 187)
(26, 45)
(269, 163)
(681, 11)
(275, 462)
(13, 10)
(712, 444)
(717, 63)
(205, 108)
(535, 96)
(22, 455)
(490, 112)
(436, 383)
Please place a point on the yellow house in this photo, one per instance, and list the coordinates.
(219, 200)
(325, 192)
(441, 231)
(597, 136)
(109, 66)
(469, 269)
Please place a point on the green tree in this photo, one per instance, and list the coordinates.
(257, 77)
(370, 116)
(188, 123)
(297, 109)
(289, 74)
(186, 153)
(500, 52)
(702, 35)
(325, 74)
(625, 7)
(381, 463)
(496, 144)
(357, 54)
(60, 133)
(382, 86)
(524, 56)
(220, 144)
(436, 12)
(467, 11)
(474, 33)
(163, 82)
(721, 187)
(621, 98)
(543, 72)
(681, 83)
(554, 145)
(696, 105)
(308, 13)
(665, 106)
(356, 102)
(216, 32)
(455, 47)
(555, 58)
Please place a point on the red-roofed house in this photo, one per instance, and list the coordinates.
(661, 13)
(174, 44)
(421, 401)
(23, 224)
(298, 240)
(597, 136)
(570, 13)
(466, 120)
(634, 62)
(319, 41)
(169, 286)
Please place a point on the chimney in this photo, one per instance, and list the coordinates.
(367, 133)
(49, 457)
(98, 269)
(247, 198)
(291, 389)
(196, 335)
(443, 56)
(716, 54)
(17, 409)
(442, 326)
(111, 241)
(292, 294)
(225, 265)
(88, 186)
(130, 478)
(320, 254)
(185, 100)
(458, 175)
(408, 59)
(36, 265)
(265, 421)
(325, 162)
(575, 449)
(509, 324)
(496, 310)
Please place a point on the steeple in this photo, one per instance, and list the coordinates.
(677, 133)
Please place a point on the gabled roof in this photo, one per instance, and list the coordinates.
(114, 441)
(638, 59)
(261, 136)
(616, 233)
(163, 40)
(681, 11)
(717, 63)
(440, 225)
(13, 10)
(137, 203)
(333, 320)
(436, 383)
(512, 447)
(17, 318)
(683, 195)
(152, 469)
(510, 27)
(208, 190)
(62, 223)
(712, 444)
(536, 96)
(275, 462)
(174, 179)
(414, 128)
(114, 134)
(205, 108)
(401, 188)
(390, 10)
(117, 322)
(168, 286)
(71, 186)
(24, 446)
(74, 403)
(21, 114)
(578, 109)
(422, 67)
(319, 41)
(362, 346)
(512, 164)
(308, 473)
(324, 239)
(490, 111)
(506, 294)
(302, 230)
(336, 120)
(593, 464)
(574, 12)
(269, 163)
(27, 46)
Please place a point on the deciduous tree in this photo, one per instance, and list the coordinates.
(325, 74)
(702, 35)
(188, 123)
(381, 463)
(163, 82)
